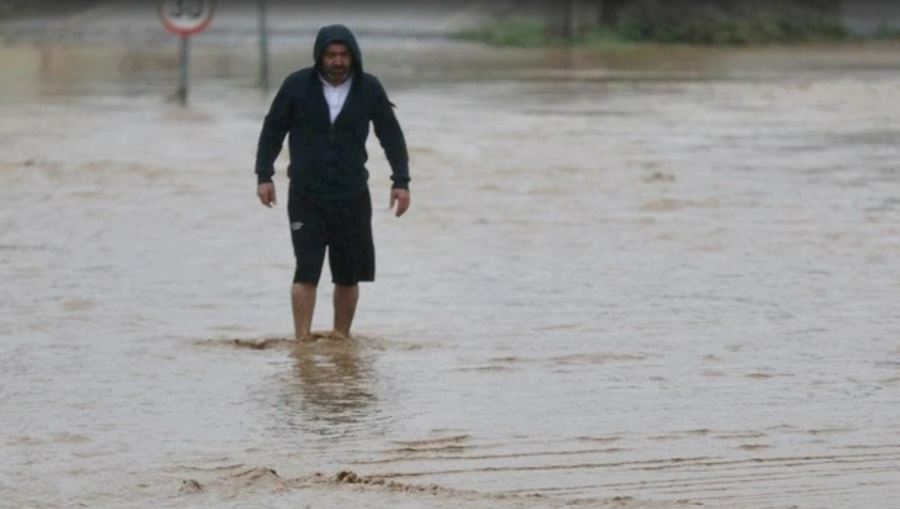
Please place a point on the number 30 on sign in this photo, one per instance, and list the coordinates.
(186, 17)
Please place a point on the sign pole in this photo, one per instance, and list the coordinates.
(183, 70)
(185, 18)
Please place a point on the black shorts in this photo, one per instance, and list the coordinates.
(343, 225)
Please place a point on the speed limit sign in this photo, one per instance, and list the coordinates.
(186, 17)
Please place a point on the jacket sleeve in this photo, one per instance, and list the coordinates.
(275, 127)
(390, 135)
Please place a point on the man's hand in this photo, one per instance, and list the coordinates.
(266, 193)
(401, 198)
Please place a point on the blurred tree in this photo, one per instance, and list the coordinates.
(727, 21)
(608, 12)
(10, 9)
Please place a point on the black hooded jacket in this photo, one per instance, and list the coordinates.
(328, 160)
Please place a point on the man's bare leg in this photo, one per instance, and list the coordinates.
(303, 302)
(345, 299)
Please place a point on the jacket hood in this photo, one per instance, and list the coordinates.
(337, 33)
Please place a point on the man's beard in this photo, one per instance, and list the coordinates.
(337, 73)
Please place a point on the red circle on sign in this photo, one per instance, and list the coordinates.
(189, 30)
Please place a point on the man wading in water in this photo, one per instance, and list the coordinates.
(327, 109)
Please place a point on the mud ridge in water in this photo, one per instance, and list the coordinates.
(317, 338)
(573, 359)
(267, 478)
(531, 497)
(419, 454)
(272, 343)
(677, 463)
(434, 442)
(250, 344)
(237, 483)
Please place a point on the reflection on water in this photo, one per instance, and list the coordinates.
(53, 69)
(333, 383)
(56, 69)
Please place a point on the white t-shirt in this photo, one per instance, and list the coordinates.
(335, 96)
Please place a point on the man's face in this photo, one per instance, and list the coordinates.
(336, 62)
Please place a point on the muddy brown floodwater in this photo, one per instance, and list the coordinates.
(639, 278)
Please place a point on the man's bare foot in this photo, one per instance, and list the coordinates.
(312, 337)
(339, 336)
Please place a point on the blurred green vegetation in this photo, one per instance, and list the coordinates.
(733, 22)
(887, 32)
(730, 21)
(11, 9)
(522, 32)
